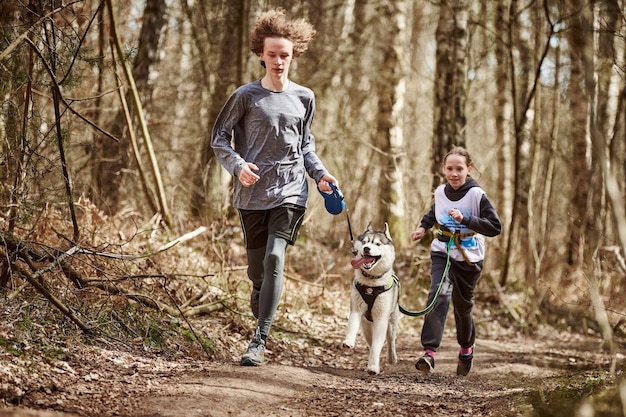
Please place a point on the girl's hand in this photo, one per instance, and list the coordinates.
(418, 234)
(455, 214)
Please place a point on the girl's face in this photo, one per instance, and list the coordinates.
(456, 170)
(277, 55)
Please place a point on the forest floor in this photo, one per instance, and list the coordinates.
(512, 376)
(49, 368)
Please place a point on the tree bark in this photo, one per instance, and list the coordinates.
(581, 51)
(503, 117)
(211, 191)
(450, 79)
(391, 95)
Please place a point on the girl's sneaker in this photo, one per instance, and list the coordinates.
(465, 363)
(425, 364)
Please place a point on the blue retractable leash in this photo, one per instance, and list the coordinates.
(333, 200)
(335, 204)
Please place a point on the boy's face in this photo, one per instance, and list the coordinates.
(277, 55)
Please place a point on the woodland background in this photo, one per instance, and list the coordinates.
(106, 109)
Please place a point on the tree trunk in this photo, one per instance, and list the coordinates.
(609, 48)
(110, 158)
(617, 92)
(581, 50)
(552, 144)
(503, 118)
(211, 192)
(522, 91)
(391, 94)
(450, 79)
(16, 114)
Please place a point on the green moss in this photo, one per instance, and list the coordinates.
(10, 347)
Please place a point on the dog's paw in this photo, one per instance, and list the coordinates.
(373, 370)
(347, 345)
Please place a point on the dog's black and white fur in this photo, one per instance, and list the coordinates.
(374, 296)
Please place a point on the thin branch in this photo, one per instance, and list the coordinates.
(128, 257)
(80, 43)
(65, 103)
(24, 36)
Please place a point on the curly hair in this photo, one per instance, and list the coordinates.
(273, 24)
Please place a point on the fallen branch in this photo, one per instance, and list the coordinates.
(207, 308)
(46, 293)
(26, 252)
(128, 257)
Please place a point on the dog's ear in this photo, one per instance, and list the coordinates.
(369, 227)
(387, 231)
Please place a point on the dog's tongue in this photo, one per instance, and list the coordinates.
(358, 262)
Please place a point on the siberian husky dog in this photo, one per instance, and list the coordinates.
(374, 296)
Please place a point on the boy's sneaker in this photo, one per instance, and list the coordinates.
(254, 302)
(255, 355)
(465, 363)
(425, 364)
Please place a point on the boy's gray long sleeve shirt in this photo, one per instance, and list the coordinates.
(273, 131)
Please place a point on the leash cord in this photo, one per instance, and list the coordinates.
(350, 230)
(431, 305)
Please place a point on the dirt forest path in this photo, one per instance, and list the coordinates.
(506, 379)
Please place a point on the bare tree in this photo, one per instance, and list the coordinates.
(503, 196)
(138, 106)
(523, 91)
(210, 195)
(601, 116)
(450, 79)
(389, 139)
(14, 115)
(610, 62)
(110, 158)
(580, 52)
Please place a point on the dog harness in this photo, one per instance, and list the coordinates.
(369, 294)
